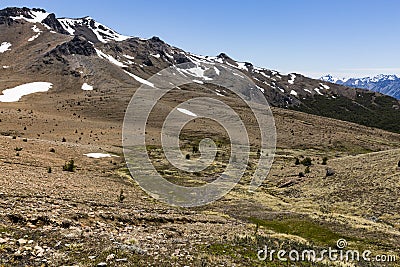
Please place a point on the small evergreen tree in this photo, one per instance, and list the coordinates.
(307, 161)
(121, 196)
(69, 166)
(324, 160)
(307, 170)
(297, 161)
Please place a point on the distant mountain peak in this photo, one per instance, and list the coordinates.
(388, 84)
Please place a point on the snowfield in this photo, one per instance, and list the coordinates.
(15, 94)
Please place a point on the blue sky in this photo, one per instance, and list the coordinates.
(312, 37)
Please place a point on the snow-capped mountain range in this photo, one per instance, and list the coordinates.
(83, 58)
(385, 84)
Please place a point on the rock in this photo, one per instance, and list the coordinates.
(17, 253)
(22, 241)
(110, 257)
(329, 172)
(26, 248)
(39, 251)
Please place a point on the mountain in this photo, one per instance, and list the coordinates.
(82, 53)
(385, 84)
(67, 197)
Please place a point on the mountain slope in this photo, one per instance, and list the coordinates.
(385, 84)
(73, 52)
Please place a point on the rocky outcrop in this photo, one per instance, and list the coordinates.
(53, 23)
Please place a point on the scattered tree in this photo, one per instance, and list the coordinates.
(301, 174)
(324, 160)
(187, 156)
(64, 140)
(297, 161)
(52, 150)
(49, 170)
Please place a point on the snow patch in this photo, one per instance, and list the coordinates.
(260, 88)
(5, 46)
(326, 87)
(293, 92)
(317, 90)
(217, 71)
(292, 77)
(99, 155)
(156, 55)
(307, 91)
(187, 112)
(141, 80)
(37, 30)
(37, 16)
(110, 58)
(242, 66)
(197, 71)
(15, 94)
(129, 57)
(87, 87)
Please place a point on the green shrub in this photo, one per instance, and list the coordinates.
(307, 170)
(307, 161)
(121, 196)
(69, 166)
